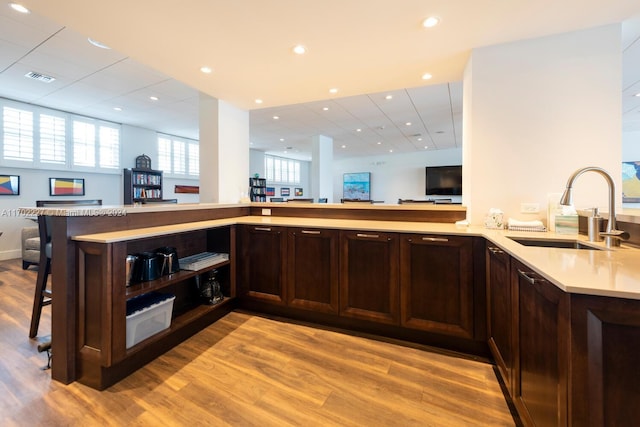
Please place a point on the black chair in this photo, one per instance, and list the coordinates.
(42, 295)
(323, 200)
(151, 201)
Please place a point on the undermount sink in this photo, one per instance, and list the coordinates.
(548, 243)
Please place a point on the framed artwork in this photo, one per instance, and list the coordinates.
(285, 191)
(631, 182)
(9, 185)
(271, 191)
(298, 192)
(66, 186)
(356, 186)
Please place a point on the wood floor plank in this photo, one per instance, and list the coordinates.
(247, 370)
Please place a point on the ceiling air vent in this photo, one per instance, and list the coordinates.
(40, 77)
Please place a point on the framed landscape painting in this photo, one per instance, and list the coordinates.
(631, 182)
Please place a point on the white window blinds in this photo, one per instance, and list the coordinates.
(17, 134)
(52, 139)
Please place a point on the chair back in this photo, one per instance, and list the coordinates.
(44, 221)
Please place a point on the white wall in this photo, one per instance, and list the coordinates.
(395, 176)
(534, 112)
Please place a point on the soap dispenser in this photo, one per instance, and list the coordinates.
(593, 226)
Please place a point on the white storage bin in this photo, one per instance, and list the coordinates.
(149, 321)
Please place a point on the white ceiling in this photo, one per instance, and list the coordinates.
(366, 48)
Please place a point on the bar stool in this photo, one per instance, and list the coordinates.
(42, 295)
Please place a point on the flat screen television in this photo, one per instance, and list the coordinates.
(444, 180)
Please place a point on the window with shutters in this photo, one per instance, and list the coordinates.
(178, 156)
(17, 134)
(53, 142)
(42, 138)
(279, 170)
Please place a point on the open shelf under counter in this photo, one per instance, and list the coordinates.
(181, 321)
(164, 281)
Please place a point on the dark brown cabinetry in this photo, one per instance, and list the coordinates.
(542, 346)
(262, 270)
(500, 326)
(141, 185)
(103, 356)
(436, 284)
(369, 276)
(312, 269)
(606, 348)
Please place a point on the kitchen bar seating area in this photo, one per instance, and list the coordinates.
(405, 276)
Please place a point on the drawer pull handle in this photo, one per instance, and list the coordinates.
(368, 236)
(263, 229)
(528, 278)
(495, 250)
(435, 239)
(310, 232)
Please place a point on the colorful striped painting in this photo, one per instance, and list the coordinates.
(66, 186)
(9, 185)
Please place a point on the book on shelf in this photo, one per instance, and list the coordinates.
(202, 260)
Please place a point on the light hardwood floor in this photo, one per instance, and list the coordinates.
(247, 370)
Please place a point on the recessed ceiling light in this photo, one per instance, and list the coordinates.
(19, 8)
(206, 70)
(637, 94)
(388, 97)
(96, 43)
(299, 49)
(408, 123)
(425, 147)
(117, 108)
(281, 139)
(153, 98)
(333, 90)
(379, 143)
(391, 151)
(276, 117)
(419, 139)
(325, 108)
(431, 21)
(358, 130)
(426, 76)
(343, 146)
(258, 101)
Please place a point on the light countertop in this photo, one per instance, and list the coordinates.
(613, 273)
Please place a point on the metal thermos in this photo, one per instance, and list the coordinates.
(130, 268)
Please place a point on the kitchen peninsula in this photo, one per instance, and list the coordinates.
(402, 271)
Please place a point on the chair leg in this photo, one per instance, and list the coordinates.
(38, 297)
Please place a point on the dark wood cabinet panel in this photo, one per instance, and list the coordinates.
(606, 349)
(313, 269)
(262, 263)
(500, 326)
(541, 356)
(369, 280)
(436, 283)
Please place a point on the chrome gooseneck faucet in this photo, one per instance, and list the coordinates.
(612, 235)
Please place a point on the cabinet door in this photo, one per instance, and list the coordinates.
(369, 276)
(261, 266)
(436, 282)
(606, 349)
(541, 370)
(500, 313)
(312, 267)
